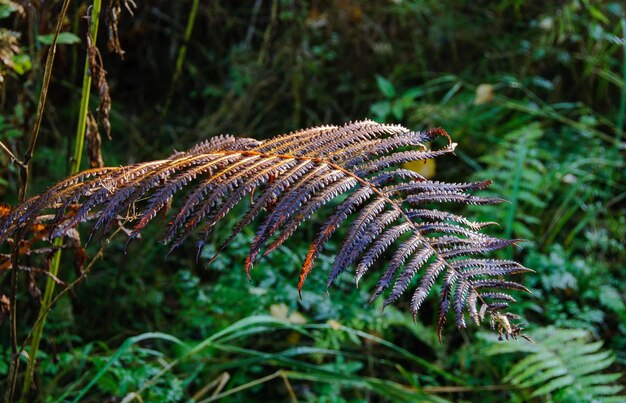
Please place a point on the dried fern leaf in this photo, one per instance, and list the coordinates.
(291, 177)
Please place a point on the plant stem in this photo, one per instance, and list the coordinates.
(622, 103)
(75, 166)
(84, 100)
(268, 33)
(42, 102)
(14, 365)
(245, 386)
(182, 52)
(12, 157)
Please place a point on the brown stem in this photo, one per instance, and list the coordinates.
(68, 288)
(24, 170)
(11, 155)
(42, 102)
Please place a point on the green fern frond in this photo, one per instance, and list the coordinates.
(518, 172)
(562, 364)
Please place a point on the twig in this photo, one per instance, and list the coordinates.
(217, 385)
(67, 289)
(245, 386)
(44, 272)
(15, 362)
(292, 394)
(251, 25)
(47, 75)
(11, 155)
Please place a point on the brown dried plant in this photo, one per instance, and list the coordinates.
(290, 177)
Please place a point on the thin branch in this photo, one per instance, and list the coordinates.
(11, 155)
(54, 278)
(245, 386)
(47, 75)
(67, 289)
(14, 366)
(292, 394)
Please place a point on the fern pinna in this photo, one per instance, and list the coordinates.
(563, 366)
(290, 177)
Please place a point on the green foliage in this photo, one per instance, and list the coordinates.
(520, 173)
(581, 292)
(552, 73)
(64, 38)
(562, 365)
(166, 368)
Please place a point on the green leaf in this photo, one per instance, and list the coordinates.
(21, 63)
(381, 110)
(611, 298)
(64, 38)
(596, 13)
(385, 86)
(6, 9)
(397, 110)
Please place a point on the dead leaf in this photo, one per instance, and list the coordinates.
(334, 324)
(281, 311)
(80, 258)
(5, 307)
(112, 20)
(98, 74)
(94, 143)
(484, 94)
(5, 209)
(426, 168)
(34, 291)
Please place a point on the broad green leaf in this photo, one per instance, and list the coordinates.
(397, 110)
(6, 9)
(21, 63)
(385, 86)
(64, 38)
(381, 110)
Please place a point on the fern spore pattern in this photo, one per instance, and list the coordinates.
(387, 210)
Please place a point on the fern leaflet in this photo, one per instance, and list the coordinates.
(564, 365)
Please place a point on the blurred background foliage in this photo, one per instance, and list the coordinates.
(533, 92)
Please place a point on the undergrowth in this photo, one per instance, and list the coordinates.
(532, 92)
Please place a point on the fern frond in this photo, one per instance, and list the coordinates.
(564, 364)
(291, 177)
